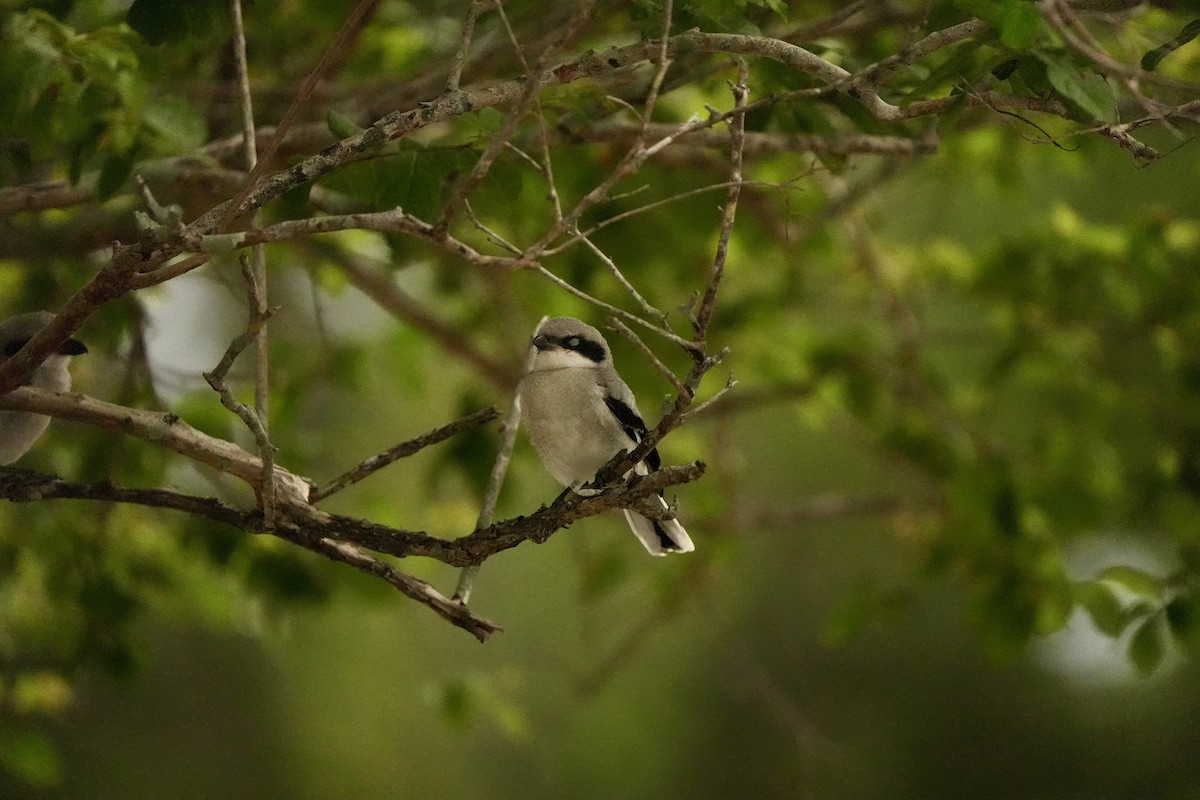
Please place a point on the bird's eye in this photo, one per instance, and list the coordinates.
(573, 342)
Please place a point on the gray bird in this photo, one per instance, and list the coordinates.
(20, 429)
(580, 414)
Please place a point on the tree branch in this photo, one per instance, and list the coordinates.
(377, 462)
(23, 487)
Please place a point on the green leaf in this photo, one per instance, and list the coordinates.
(1148, 647)
(156, 21)
(865, 606)
(1151, 60)
(1088, 92)
(341, 126)
(82, 151)
(413, 180)
(1135, 580)
(161, 21)
(1183, 618)
(1102, 606)
(113, 174)
(178, 122)
(1019, 23)
(461, 701)
(30, 756)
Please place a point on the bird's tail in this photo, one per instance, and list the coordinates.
(660, 537)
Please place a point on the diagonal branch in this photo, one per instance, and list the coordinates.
(455, 613)
(702, 316)
(342, 42)
(20, 486)
(377, 462)
(162, 428)
(508, 440)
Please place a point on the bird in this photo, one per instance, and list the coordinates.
(20, 429)
(579, 414)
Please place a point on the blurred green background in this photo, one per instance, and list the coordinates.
(947, 543)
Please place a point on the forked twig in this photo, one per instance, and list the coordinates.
(216, 379)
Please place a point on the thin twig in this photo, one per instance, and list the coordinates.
(624, 215)
(142, 280)
(402, 450)
(730, 383)
(702, 362)
(464, 45)
(501, 138)
(216, 379)
(256, 277)
(764, 143)
(647, 308)
(455, 613)
(341, 43)
(396, 221)
(737, 130)
(664, 63)
(647, 353)
(614, 310)
(379, 284)
(508, 440)
(492, 235)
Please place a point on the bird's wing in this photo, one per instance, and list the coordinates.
(633, 424)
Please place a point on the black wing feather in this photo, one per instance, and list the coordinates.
(634, 425)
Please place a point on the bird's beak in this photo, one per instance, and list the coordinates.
(542, 342)
(72, 347)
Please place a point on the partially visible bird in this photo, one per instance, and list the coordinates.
(20, 429)
(580, 414)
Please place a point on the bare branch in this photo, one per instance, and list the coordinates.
(697, 348)
(456, 613)
(613, 310)
(737, 130)
(41, 196)
(256, 280)
(394, 221)
(216, 379)
(162, 428)
(646, 307)
(508, 440)
(664, 63)
(341, 44)
(402, 450)
(464, 46)
(256, 290)
(378, 285)
(647, 353)
(22, 486)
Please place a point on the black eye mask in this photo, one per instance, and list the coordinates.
(592, 351)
